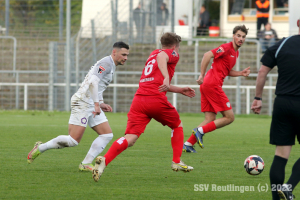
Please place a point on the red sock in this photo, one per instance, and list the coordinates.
(116, 148)
(192, 139)
(211, 126)
(177, 143)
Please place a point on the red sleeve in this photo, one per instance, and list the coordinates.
(220, 51)
(173, 56)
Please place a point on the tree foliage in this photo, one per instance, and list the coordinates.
(37, 14)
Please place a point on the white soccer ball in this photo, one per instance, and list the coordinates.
(254, 165)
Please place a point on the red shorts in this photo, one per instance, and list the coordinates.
(213, 99)
(144, 108)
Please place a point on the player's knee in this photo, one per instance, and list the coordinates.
(180, 125)
(131, 139)
(72, 142)
(230, 119)
(283, 151)
(107, 136)
(130, 144)
(210, 119)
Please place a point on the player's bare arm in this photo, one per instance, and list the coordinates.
(162, 60)
(205, 61)
(260, 83)
(105, 107)
(187, 91)
(244, 72)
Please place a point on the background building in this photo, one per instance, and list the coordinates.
(282, 16)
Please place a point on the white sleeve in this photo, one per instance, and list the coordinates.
(93, 87)
(102, 69)
(100, 97)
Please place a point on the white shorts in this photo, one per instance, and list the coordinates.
(81, 113)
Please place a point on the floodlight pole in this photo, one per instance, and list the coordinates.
(68, 56)
(61, 18)
(172, 16)
(7, 17)
(190, 22)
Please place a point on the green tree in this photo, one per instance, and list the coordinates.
(39, 14)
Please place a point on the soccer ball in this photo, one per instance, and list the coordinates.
(254, 165)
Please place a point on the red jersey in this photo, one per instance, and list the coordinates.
(152, 77)
(224, 59)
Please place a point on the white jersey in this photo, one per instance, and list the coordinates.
(104, 70)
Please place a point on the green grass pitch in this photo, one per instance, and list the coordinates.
(142, 171)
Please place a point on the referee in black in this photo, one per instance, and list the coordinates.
(286, 112)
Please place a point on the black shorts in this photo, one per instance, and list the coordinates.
(285, 124)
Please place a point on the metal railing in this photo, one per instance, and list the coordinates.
(26, 85)
(116, 85)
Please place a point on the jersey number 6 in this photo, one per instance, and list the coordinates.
(149, 67)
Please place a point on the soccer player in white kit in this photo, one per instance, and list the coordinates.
(87, 107)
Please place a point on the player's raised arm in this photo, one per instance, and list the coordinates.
(162, 60)
(205, 61)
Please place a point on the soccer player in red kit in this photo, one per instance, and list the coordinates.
(150, 101)
(213, 98)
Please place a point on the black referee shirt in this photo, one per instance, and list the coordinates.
(288, 64)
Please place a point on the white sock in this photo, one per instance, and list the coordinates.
(97, 147)
(200, 129)
(58, 143)
(188, 143)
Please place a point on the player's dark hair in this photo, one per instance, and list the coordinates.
(240, 28)
(169, 39)
(121, 45)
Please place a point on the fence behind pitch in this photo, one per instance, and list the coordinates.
(41, 59)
